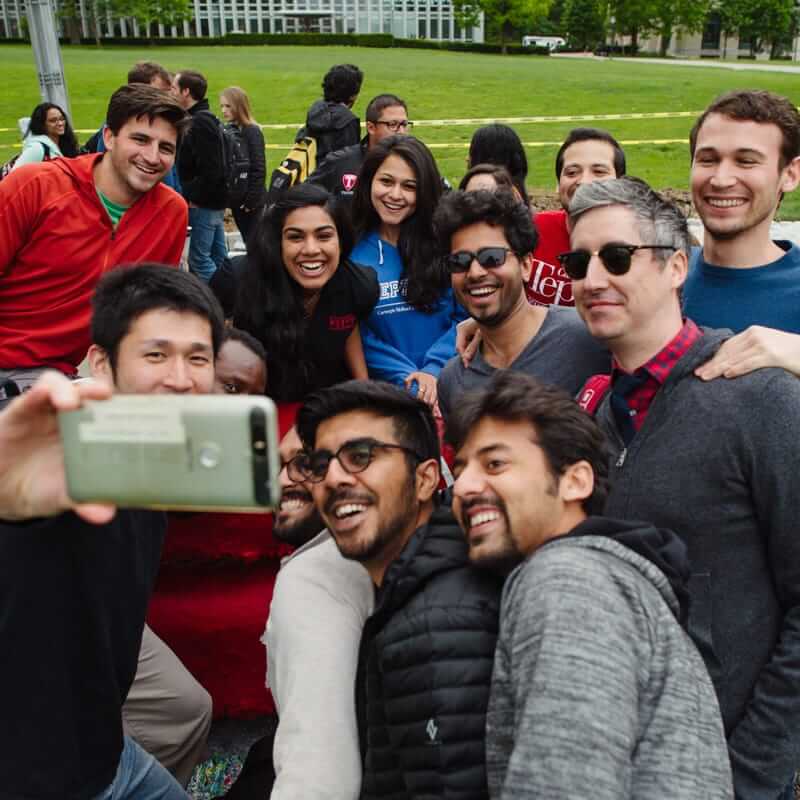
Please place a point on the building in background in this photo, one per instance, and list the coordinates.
(404, 19)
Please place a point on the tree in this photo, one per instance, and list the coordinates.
(505, 14)
(584, 23)
(761, 22)
(149, 12)
(70, 13)
(689, 15)
(633, 18)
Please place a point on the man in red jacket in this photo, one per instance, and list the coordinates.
(64, 223)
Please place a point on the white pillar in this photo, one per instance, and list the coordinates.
(47, 52)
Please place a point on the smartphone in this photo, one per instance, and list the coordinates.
(184, 452)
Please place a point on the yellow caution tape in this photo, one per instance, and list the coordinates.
(484, 121)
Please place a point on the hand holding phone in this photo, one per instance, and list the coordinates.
(190, 452)
(32, 479)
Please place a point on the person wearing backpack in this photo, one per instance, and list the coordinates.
(201, 169)
(49, 136)
(330, 126)
(235, 107)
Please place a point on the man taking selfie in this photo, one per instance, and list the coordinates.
(75, 580)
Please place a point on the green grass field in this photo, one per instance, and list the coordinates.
(283, 81)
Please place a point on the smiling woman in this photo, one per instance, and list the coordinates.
(410, 335)
(301, 299)
(49, 136)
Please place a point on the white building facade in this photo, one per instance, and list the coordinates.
(404, 19)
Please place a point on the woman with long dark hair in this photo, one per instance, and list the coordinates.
(235, 106)
(301, 298)
(410, 335)
(49, 136)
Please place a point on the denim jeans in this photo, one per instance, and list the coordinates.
(207, 244)
(140, 777)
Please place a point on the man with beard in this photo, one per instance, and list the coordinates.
(745, 155)
(319, 606)
(425, 661)
(487, 239)
(595, 682)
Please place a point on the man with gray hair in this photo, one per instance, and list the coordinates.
(712, 461)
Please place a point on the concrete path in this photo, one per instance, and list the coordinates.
(750, 66)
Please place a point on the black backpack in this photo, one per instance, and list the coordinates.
(235, 164)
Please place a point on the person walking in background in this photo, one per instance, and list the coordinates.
(49, 136)
(235, 108)
(411, 334)
(201, 170)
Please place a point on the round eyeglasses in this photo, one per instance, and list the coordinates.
(353, 456)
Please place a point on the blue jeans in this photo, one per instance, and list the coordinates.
(207, 244)
(140, 777)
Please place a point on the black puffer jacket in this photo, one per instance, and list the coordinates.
(425, 670)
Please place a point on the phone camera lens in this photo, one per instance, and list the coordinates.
(209, 455)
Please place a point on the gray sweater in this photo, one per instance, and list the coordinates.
(562, 353)
(597, 691)
(718, 463)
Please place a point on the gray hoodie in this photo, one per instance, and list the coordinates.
(597, 691)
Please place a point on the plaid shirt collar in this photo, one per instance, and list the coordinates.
(661, 364)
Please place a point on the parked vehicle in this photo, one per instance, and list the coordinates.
(550, 42)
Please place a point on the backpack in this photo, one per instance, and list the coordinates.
(9, 165)
(593, 392)
(235, 164)
(298, 164)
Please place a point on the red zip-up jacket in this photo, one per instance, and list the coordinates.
(56, 242)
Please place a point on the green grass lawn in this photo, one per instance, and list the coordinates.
(283, 81)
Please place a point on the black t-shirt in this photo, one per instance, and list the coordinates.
(346, 299)
(73, 598)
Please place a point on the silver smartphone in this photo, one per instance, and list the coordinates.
(191, 452)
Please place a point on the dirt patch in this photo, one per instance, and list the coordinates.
(548, 201)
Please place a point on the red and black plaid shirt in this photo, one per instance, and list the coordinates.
(657, 369)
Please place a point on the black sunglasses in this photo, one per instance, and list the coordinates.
(615, 257)
(354, 456)
(487, 257)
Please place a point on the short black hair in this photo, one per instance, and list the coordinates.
(501, 209)
(137, 100)
(194, 81)
(500, 144)
(127, 292)
(591, 134)
(564, 431)
(377, 104)
(246, 339)
(342, 83)
(413, 420)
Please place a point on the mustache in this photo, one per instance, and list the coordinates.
(297, 494)
(346, 495)
(480, 500)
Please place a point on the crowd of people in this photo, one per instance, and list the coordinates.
(538, 485)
